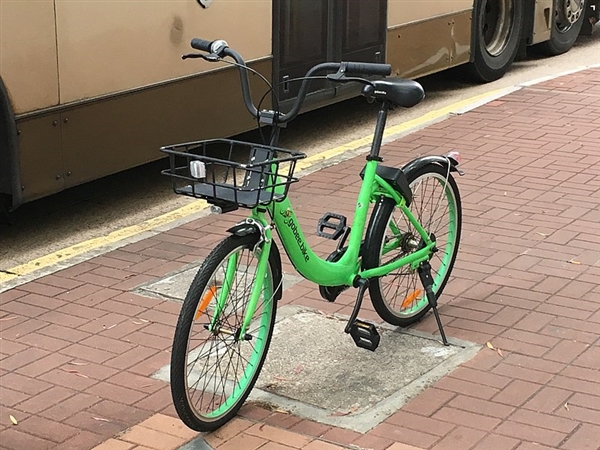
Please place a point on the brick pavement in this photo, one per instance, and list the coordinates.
(77, 347)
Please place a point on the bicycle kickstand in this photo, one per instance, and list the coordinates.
(424, 270)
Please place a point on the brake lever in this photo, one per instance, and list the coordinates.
(337, 78)
(210, 57)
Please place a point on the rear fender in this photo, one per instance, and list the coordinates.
(443, 161)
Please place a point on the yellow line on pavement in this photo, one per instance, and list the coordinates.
(197, 206)
(111, 238)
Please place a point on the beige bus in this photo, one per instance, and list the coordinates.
(90, 88)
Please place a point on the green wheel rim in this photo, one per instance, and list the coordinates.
(439, 272)
(238, 388)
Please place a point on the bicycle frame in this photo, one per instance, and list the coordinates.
(347, 270)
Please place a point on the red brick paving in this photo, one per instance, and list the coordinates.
(78, 346)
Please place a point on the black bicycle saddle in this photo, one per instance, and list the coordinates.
(397, 91)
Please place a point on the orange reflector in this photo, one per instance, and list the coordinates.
(205, 301)
(411, 298)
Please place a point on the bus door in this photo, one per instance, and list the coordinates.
(307, 32)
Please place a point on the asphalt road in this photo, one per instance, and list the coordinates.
(100, 207)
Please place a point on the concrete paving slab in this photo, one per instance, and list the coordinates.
(314, 370)
(176, 285)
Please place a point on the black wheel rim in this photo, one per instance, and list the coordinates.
(496, 29)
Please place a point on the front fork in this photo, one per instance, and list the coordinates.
(262, 249)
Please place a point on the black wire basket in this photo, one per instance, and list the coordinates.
(228, 172)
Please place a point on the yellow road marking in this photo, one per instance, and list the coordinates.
(111, 238)
(199, 205)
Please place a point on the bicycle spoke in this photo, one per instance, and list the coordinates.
(220, 364)
(400, 295)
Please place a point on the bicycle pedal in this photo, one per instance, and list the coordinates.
(365, 335)
(331, 221)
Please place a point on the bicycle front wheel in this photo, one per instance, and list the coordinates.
(213, 367)
(399, 297)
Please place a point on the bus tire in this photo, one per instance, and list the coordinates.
(497, 29)
(568, 20)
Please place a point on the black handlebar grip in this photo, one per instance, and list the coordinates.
(357, 68)
(201, 44)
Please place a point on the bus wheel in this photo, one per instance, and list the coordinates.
(568, 19)
(497, 26)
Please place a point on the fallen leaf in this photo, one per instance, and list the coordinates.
(282, 411)
(356, 447)
(500, 353)
(572, 261)
(8, 318)
(145, 321)
(137, 323)
(13, 420)
(75, 372)
(112, 326)
(489, 345)
(75, 363)
(567, 406)
(278, 378)
(352, 409)
(101, 419)
(543, 234)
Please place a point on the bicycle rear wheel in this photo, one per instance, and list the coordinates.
(213, 369)
(399, 297)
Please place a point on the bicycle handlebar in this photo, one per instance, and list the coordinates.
(220, 49)
(201, 44)
(361, 68)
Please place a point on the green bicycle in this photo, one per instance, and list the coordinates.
(403, 256)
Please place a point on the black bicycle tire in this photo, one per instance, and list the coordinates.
(375, 234)
(180, 341)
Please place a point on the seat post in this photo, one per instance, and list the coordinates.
(379, 129)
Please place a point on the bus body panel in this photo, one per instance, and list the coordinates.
(542, 18)
(97, 87)
(97, 58)
(448, 44)
(402, 12)
(40, 156)
(95, 139)
(28, 54)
